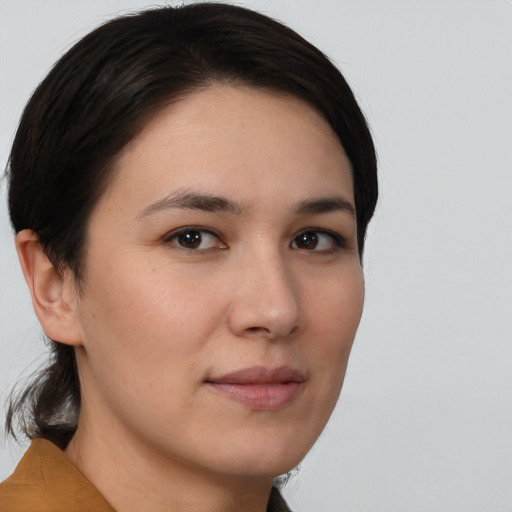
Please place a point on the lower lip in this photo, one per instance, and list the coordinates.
(261, 397)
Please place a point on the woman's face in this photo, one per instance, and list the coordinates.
(223, 286)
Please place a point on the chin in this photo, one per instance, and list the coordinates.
(272, 458)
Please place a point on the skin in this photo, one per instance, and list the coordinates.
(156, 320)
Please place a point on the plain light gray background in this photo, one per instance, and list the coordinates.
(425, 418)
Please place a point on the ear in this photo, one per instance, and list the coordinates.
(54, 294)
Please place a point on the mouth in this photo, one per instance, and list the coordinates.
(260, 388)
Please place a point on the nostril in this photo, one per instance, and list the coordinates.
(267, 311)
(257, 329)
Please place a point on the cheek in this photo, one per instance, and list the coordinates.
(144, 317)
(336, 308)
(146, 330)
(335, 314)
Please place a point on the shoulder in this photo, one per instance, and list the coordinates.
(45, 480)
(276, 502)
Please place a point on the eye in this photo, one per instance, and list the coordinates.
(195, 239)
(318, 240)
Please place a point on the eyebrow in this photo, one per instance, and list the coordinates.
(211, 203)
(194, 201)
(325, 205)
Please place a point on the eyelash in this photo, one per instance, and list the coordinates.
(338, 242)
(172, 237)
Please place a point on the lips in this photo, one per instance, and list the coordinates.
(260, 388)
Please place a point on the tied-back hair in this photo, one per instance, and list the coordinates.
(100, 95)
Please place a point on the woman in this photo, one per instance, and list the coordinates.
(190, 188)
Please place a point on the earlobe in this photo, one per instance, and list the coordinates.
(53, 303)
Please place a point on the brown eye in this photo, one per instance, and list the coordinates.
(195, 239)
(189, 239)
(318, 240)
(306, 240)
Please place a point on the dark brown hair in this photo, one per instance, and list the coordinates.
(98, 97)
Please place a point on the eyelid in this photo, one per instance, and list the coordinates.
(339, 241)
(168, 237)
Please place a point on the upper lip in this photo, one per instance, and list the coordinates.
(260, 375)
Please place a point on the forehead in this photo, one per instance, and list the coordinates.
(238, 141)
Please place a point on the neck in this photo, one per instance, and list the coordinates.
(133, 476)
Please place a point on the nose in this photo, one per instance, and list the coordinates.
(265, 300)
